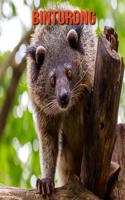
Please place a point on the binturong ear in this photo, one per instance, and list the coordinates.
(40, 55)
(72, 38)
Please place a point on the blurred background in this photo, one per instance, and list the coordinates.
(19, 149)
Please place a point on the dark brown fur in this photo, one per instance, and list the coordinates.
(61, 131)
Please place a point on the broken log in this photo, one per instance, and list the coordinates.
(101, 135)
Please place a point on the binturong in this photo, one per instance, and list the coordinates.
(61, 65)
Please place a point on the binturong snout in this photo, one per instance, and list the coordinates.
(64, 98)
(62, 87)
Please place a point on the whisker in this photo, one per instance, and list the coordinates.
(50, 107)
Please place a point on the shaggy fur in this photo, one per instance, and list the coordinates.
(61, 131)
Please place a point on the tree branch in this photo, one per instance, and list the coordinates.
(17, 72)
(72, 190)
(11, 56)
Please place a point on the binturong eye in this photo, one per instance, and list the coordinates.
(52, 81)
(69, 73)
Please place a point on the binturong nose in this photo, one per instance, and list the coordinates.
(64, 98)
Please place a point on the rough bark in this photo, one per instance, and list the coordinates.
(72, 190)
(101, 134)
(116, 184)
(112, 37)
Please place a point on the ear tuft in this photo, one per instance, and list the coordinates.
(40, 54)
(72, 38)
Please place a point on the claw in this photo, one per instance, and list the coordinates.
(52, 186)
(39, 188)
(43, 190)
(45, 186)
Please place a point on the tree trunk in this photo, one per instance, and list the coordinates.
(116, 184)
(101, 134)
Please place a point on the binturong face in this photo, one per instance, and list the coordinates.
(60, 79)
(57, 68)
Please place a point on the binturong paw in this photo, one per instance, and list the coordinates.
(45, 186)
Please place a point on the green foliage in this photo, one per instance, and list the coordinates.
(20, 131)
(12, 169)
